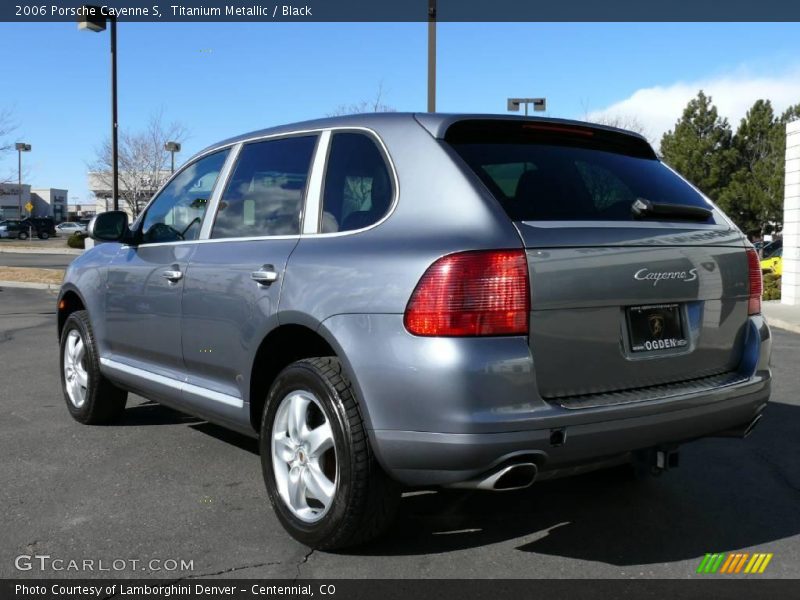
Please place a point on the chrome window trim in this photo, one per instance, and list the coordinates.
(313, 200)
(181, 386)
(219, 187)
(371, 132)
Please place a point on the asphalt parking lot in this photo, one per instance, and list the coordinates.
(39, 261)
(163, 486)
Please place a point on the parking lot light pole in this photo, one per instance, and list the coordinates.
(172, 148)
(431, 55)
(92, 19)
(21, 147)
(539, 104)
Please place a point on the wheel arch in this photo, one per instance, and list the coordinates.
(291, 341)
(69, 301)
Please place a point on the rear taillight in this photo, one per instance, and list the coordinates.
(756, 284)
(472, 294)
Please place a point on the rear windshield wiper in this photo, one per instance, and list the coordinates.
(645, 209)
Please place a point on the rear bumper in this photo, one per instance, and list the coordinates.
(425, 458)
(442, 411)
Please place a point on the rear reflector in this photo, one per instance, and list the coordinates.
(472, 294)
(756, 284)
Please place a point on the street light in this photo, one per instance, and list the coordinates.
(539, 104)
(21, 147)
(92, 19)
(172, 148)
(431, 55)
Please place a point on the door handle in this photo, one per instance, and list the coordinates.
(265, 275)
(172, 275)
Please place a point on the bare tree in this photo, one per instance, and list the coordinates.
(7, 126)
(621, 121)
(364, 106)
(143, 161)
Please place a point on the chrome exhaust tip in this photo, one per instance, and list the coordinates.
(742, 431)
(510, 477)
(752, 426)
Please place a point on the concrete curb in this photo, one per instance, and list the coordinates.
(793, 327)
(30, 285)
(74, 251)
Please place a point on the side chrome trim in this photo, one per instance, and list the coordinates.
(181, 386)
(311, 213)
(219, 187)
(322, 131)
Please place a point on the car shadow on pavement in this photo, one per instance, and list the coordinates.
(152, 413)
(727, 494)
(228, 436)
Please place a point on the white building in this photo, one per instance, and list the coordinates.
(47, 202)
(145, 187)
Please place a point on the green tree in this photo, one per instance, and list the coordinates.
(754, 196)
(700, 146)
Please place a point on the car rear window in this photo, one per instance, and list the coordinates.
(544, 172)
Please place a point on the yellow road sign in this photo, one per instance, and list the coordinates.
(29, 207)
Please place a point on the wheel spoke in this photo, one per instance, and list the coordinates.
(81, 377)
(319, 486)
(71, 341)
(297, 490)
(284, 448)
(298, 411)
(319, 439)
(79, 350)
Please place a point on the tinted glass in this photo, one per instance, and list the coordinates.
(358, 189)
(266, 191)
(177, 213)
(565, 176)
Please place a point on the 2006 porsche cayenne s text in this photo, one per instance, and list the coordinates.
(398, 301)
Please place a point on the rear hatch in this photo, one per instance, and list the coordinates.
(636, 279)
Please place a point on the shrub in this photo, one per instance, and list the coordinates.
(77, 240)
(772, 287)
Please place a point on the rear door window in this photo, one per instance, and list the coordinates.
(358, 189)
(266, 191)
(566, 173)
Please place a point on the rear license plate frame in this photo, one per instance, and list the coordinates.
(656, 328)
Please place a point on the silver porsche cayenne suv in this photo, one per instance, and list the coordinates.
(397, 301)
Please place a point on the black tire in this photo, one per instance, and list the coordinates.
(365, 499)
(43, 235)
(103, 402)
(22, 235)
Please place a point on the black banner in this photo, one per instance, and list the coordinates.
(368, 589)
(404, 10)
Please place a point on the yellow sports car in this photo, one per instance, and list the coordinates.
(773, 264)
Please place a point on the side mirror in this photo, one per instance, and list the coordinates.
(109, 226)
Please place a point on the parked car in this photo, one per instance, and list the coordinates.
(398, 300)
(44, 227)
(773, 264)
(69, 227)
(15, 229)
(22, 229)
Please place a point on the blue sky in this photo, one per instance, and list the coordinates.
(223, 79)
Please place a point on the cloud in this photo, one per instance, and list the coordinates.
(658, 108)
